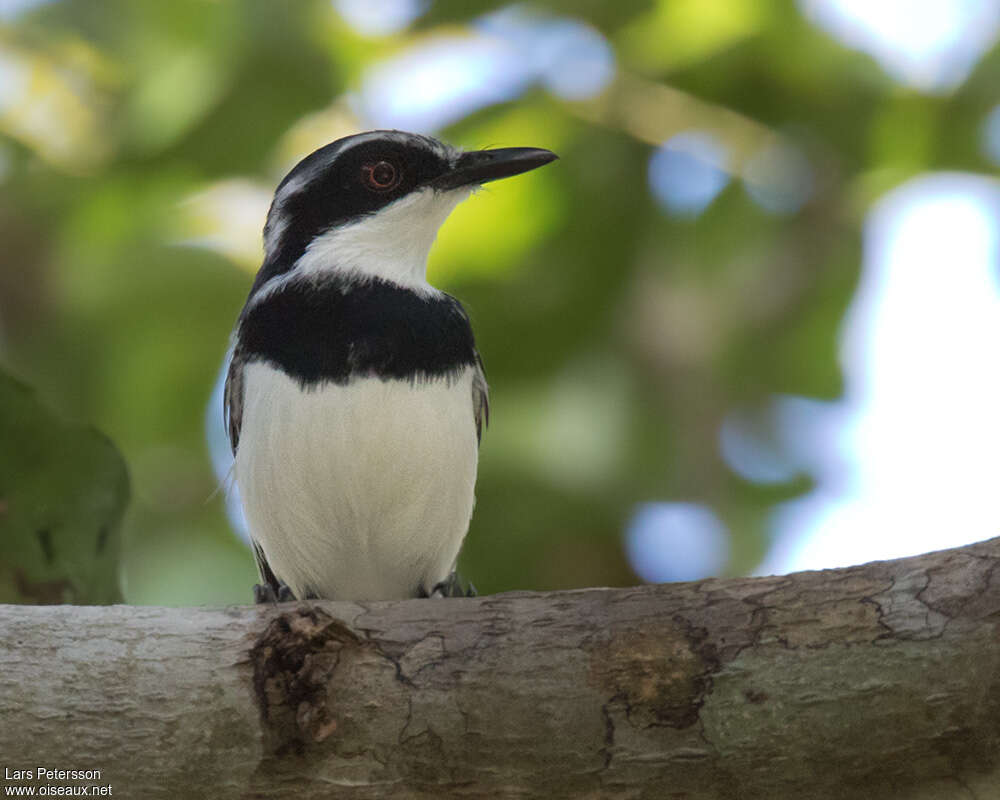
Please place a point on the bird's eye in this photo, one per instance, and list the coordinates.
(381, 176)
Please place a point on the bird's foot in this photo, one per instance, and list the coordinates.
(265, 593)
(451, 587)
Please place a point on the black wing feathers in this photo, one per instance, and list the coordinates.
(232, 398)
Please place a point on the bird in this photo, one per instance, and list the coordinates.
(355, 397)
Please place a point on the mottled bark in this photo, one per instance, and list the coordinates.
(876, 681)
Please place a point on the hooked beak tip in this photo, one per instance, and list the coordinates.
(477, 167)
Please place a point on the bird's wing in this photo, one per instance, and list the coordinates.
(266, 573)
(480, 398)
(232, 399)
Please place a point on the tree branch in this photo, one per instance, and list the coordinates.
(881, 680)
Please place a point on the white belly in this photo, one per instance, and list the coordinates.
(357, 492)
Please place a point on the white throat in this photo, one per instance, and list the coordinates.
(391, 244)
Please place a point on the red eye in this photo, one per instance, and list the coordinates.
(381, 176)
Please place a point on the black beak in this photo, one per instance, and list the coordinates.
(480, 166)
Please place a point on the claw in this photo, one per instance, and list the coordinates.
(264, 593)
(449, 587)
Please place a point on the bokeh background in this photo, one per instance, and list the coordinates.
(748, 323)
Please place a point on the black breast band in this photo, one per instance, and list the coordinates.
(339, 329)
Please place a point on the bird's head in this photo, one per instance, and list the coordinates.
(371, 204)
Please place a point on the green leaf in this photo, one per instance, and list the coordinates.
(63, 490)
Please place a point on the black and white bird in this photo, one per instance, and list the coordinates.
(355, 397)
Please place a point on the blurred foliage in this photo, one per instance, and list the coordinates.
(63, 491)
(616, 337)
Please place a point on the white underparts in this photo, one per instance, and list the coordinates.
(359, 491)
